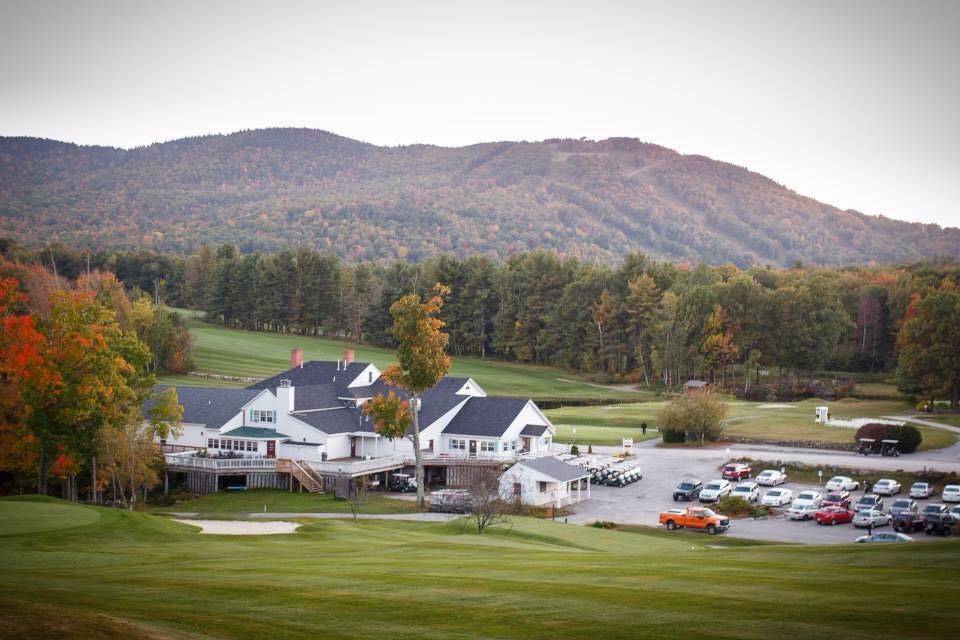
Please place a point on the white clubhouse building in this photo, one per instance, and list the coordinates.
(305, 426)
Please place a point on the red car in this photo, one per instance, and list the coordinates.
(833, 515)
(837, 499)
(735, 471)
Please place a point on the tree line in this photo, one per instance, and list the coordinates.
(644, 320)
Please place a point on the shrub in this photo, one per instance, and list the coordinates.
(589, 448)
(734, 506)
(909, 437)
(604, 524)
(574, 450)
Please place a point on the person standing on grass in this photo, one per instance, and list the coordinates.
(643, 428)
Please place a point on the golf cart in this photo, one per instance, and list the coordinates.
(890, 448)
(403, 483)
(868, 446)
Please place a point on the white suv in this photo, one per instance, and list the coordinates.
(749, 491)
(714, 490)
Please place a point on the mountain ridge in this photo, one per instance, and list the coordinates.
(266, 189)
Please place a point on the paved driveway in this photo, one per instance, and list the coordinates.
(663, 468)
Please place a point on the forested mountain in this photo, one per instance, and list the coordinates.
(277, 188)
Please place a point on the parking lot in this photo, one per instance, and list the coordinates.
(663, 468)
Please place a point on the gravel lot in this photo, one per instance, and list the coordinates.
(663, 468)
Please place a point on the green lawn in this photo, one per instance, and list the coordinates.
(254, 354)
(284, 502)
(773, 421)
(117, 574)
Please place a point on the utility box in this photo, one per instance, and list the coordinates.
(823, 415)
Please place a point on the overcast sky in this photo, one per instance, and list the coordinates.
(852, 102)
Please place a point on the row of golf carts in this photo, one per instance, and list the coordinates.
(607, 470)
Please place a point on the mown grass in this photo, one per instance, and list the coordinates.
(233, 352)
(275, 501)
(792, 421)
(128, 574)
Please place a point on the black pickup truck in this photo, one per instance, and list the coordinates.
(908, 522)
(688, 490)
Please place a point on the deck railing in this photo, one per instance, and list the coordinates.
(352, 467)
(217, 464)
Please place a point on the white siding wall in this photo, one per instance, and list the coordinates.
(529, 481)
(367, 377)
(432, 431)
(192, 435)
(338, 446)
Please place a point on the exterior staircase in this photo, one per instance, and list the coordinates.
(303, 474)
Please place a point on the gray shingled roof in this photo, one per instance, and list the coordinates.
(209, 406)
(534, 430)
(317, 396)
(490, 416)
(313, 373)
(342, 420)
(555, 468)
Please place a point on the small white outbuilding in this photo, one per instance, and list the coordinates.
(544, 482)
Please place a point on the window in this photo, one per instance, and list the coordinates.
(458, 444)
(542, 486)
(251, 445)
(262, 415)
(210, 444)
(488, 445)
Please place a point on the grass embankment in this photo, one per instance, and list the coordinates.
(108, 573)
(233, 352)
(792, 421)
(274, 501)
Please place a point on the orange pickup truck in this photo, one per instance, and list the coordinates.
(694, 518)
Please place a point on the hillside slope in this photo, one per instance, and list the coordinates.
(273, 188)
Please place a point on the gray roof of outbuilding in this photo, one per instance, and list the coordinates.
(315, 372)
(490, 416)
(210, 406)
(555, 468)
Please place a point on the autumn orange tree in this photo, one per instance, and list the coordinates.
(20, 361)
(422, 357)
(96, 379)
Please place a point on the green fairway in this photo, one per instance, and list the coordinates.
(252, 354)
(275, 501)
(119, 574)
(769, 421)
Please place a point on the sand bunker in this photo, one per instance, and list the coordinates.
(775, 406)
(242, 527)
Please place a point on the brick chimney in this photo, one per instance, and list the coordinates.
(348, 356)
(296, 358)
